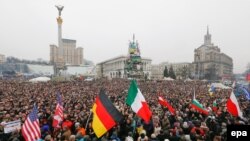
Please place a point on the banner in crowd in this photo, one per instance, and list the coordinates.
(12, 126)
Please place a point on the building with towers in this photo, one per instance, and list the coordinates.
(210, 63)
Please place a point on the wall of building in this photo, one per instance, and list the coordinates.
(157, 70)
(69, 51)
(53, 53)
(115, 67)
(71, 54)
(78, 56)
(2, 58)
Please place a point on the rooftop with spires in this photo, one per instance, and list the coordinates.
(208, 39)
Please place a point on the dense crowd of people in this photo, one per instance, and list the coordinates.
(17, 99)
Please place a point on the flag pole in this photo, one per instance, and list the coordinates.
(194, 93)
(88, 119)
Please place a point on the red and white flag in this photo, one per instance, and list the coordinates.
(233, 106)
(58, 116)
(164, 103)
(234, 84)
(30, 129)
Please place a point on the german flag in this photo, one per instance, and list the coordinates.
(105, 115)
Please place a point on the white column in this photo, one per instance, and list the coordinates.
(59, 23)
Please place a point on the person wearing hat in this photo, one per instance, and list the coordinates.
(80, 129)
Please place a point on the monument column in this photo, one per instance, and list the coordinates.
(59, 23)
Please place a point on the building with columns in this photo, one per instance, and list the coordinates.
(115, 67)
(210, 62)
(66, 53)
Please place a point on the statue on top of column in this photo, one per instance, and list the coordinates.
(60, 8)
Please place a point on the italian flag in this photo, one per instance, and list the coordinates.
(137, 102)
(233, 106)
(196, 105)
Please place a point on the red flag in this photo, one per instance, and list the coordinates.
(233, 106)
(30, 129)
(58, 116)
(248, 77)
(166, 104)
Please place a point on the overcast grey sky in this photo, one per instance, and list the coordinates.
(167, 30)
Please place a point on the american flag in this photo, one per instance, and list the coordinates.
(30, 129)
(58, 116)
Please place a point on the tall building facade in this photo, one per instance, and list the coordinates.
(66, 53)
(115, 67)
(210, 62)
(157, 71)
(2, 58)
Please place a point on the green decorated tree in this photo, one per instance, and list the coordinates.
(171, 72)
(165, 73)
